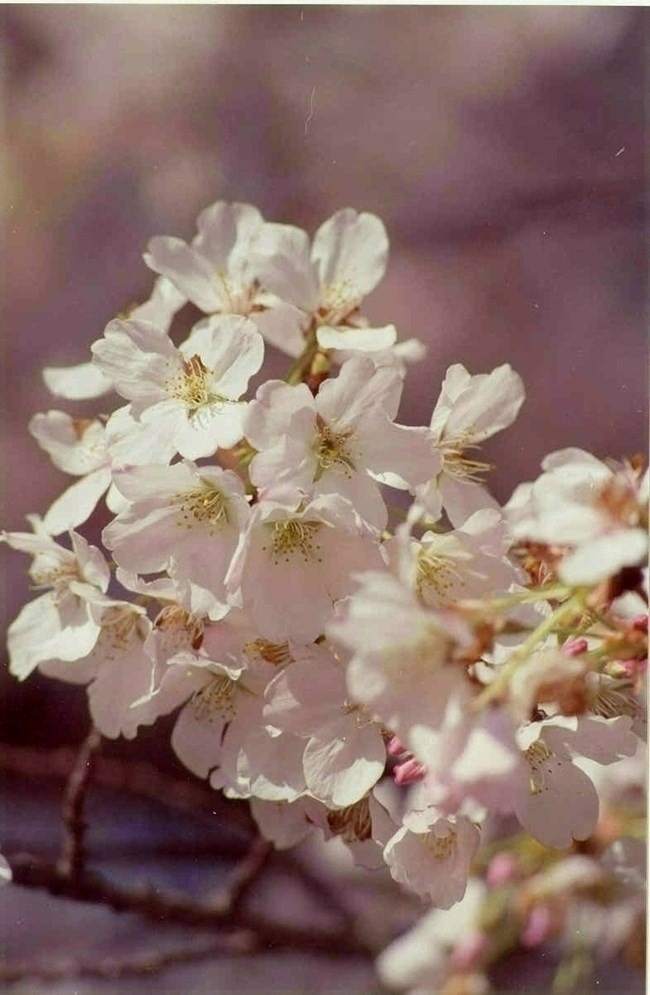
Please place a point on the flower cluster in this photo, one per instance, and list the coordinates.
(395, 680)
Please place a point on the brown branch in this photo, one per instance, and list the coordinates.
(245, 875)
(72, 859)
(146, 963)
(135, 777)
(167, 906)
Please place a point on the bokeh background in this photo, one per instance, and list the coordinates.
(503, 147)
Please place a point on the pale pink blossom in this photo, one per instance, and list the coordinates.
(184, 400)
(328, 282)
(182, 518)
(65, 622)
(293, 565)
(336, 442)
(78, 447)
(470, 409)
(345, 754)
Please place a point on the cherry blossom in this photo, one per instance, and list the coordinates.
(64, 623)
(183, 518)
(328, 282)
(336, 442)
(76, 446)
(184, 400)
(470, 409)
(293, 564)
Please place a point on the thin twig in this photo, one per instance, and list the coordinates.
(135, 777)
(246, 874)
(167, 906)
(72, 859)
(147, 963)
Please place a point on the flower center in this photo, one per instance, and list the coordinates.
(238, 297)
(537, 756)
(332, 451)
(457, 463)
(181, 628)
(442, 846)
(353, 824)
(337, 302)
(276, 653)
(435, 573)
(215, 698)
(294, 538)
(204, 506)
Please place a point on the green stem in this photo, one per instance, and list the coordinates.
(521, 654)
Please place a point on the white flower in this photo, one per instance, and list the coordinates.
(347, 260)
(76, 446)
(5, 871)
(337, 441)
(469, 410)
(560, 803)
(292, 565)
(63, 623)
(183, 518)
(473, 757)
(400, 669)
(345, 754)
(117, 670)
(86, 380)
(468, 562)
(218, 272)
(419, 959)
(598, 510)
(434, 863)
(184, 400)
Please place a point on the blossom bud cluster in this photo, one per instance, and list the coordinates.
(397, 681)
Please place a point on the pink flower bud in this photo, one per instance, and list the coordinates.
(502, 870)
(574, 647)
(395, 747)
(539, 926)
(469, 950)
(409, 772)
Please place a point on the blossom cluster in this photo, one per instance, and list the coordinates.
(395, 679)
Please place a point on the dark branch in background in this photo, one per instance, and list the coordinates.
(135, 777)
(173, 907)
(147, 963)
(72, 859)
(240, 931)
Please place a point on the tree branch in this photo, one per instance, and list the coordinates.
(168, 906)
(72, 859)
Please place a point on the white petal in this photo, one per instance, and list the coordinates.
(77, 503)
(189, 271)
(77, 383)
(351, 248)
(358, 339)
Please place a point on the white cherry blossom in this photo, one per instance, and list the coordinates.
(434, 860)
(336, 442)
(599, 511)
(64, 623)
(292, 565)
(345, 754)
(219, 271)
(329, 281)
(470, 409)
(77, 446)
(86, 380)
(183, 518)
(184, 400)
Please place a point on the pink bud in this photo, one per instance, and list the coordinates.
(574, 647)
(640, 623)
(409, 772)
(395, 747)
(469, 950)
(633, 668)
(539, 926)
(502, 870)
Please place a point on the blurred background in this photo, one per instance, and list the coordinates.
(503, 147)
